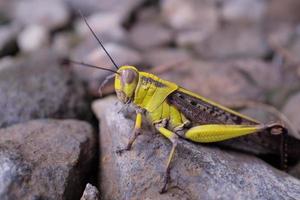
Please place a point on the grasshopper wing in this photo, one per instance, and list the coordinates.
(200, 110)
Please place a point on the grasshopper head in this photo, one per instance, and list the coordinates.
(126, 81)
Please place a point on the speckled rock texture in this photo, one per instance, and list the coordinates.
(45, 159)
(39, 87)
(198, 171)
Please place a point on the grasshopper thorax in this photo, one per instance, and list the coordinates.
(126, 81)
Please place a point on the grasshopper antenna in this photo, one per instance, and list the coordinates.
(94, 34)
(67, 61)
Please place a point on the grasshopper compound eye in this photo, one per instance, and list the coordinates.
(128, 76)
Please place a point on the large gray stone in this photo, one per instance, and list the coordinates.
(198, 171)
(38, 87)
(45, 159)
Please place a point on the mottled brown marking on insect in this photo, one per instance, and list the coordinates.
(201, 112)
(147, 80)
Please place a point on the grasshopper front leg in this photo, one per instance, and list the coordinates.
(136, 133)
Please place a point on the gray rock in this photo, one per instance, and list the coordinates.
(33, 38)
(149, 13)
(193, 20)
(291, 110)
(6, 8)
(219, 81)
(164, 56)
(49, 14)
(107, 25)
(62, 43)
(233, 42)
(243, 11)
(190, 14)
(281, 34)
(124, 7)
(263, 74)
(188, 38)
(198, 171)
(295, 45)
(90, 52)
(6, 62)
(38, 87)
(149, 35)
(45, 159)
(279, 12)
(90, 193)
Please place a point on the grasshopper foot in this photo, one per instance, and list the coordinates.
(136, 133)
(166, 181)
(122, 150)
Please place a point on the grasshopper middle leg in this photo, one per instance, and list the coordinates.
(174, 139)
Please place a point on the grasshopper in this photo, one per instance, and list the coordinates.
(177, 113)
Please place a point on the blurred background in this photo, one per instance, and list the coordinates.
(231, 51)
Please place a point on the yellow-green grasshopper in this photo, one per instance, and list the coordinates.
(177, 113)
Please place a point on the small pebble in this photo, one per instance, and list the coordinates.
(33, 38)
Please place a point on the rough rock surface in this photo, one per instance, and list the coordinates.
(198, 171)
(37, 87)
(90, 193)
(45, 159)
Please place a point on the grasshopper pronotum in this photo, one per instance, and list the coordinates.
(176, 112)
